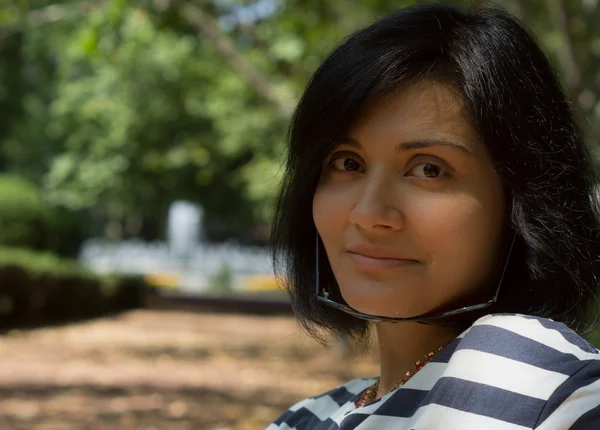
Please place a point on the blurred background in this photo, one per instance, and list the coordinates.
(141, 145)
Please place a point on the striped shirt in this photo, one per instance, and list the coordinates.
(506, 372)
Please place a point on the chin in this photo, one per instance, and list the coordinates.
(389, 297)
(382, 306)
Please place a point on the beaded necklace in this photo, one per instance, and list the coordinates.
(371, 393)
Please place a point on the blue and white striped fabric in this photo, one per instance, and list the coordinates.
(506, 372)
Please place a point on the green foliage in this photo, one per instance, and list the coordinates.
(222, 281)
(594, 336)
(40, 263)
(24, 218)
(28, 220)
(40, 288)
(122, 107)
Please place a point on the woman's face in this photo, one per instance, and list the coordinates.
(409, 207)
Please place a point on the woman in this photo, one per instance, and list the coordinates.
(437, 186)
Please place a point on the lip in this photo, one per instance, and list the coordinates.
(376, 257)
(377, 251)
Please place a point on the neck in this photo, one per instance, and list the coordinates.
(403, 344)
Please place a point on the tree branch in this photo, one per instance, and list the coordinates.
(209, 29)
(591, 16)
(570, 66)
(45, 15)
(517, 8)
(206, 26)
(48, 14)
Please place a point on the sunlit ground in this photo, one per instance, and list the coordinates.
(164, 370)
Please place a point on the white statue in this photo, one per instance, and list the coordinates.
(183, 229)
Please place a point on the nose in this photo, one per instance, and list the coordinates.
(377, 206)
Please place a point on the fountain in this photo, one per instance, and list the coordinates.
(184, 260)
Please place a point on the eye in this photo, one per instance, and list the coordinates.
(427, 171)
(346, 164)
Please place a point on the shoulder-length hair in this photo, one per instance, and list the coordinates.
(521, 113)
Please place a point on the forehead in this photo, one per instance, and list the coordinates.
(424, 110)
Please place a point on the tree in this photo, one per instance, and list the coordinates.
(121, 106)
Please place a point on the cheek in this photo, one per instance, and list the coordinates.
(461, 233)
(330, 212)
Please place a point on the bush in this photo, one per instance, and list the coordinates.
(222, 280)
(40, 288)
(39, 262)
(67, 229)
(27, 221)
(24, 218)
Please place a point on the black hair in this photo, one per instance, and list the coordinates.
(517, 106)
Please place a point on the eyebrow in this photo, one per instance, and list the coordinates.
(415, 144)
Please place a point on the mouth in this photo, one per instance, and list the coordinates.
(367, 262)
(373, 257)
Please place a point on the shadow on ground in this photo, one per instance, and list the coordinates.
(154, 370)
(141, 407)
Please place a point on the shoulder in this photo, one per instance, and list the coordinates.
(575, 404)
(526, 347)
(313, 411)
(536, 370)
(524, 335)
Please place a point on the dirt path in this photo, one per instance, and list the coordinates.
(153, 370)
